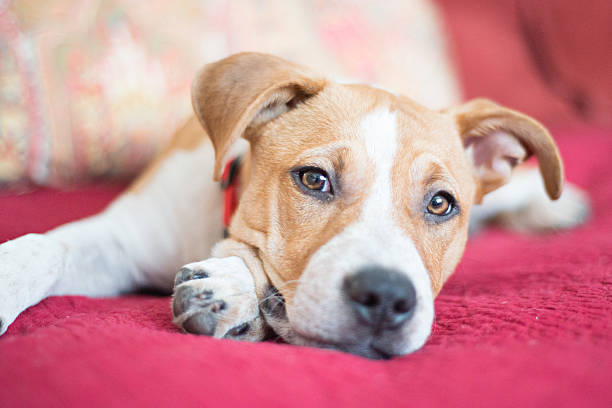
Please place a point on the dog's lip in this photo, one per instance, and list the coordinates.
(365, 349)
(380, 354)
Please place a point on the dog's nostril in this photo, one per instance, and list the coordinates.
(381, 297)
(368, 299)
(401, 306)
(407, 304)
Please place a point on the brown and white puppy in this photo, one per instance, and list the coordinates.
(354, 211)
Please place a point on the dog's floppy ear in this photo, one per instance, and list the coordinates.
(247, 89)
(498, 139)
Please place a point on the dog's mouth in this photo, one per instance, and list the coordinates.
(379, 354)
(273, 305)
(274, 311)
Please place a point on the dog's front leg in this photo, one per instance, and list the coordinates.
(83, 257)
(88, 257)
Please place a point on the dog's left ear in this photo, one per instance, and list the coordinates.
(498, 139)
(246, 90)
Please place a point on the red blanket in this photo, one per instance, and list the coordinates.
(525, 321)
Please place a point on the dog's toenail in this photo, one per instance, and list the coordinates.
(217, 306)
(185, 274)
(181, 276)
(182, 299)
(205, 295)
(239, 330)
(201, 323)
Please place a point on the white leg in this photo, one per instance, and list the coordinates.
(523, 205)
(140, 240)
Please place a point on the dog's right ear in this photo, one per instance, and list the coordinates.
(246, 90)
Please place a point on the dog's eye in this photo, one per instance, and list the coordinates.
(314, 182)
(315, 179)
(441, 204)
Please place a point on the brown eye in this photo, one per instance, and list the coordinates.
(440, 204)
(315, 180)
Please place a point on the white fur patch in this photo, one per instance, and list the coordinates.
(379, 134)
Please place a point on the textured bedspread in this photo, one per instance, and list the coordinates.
(525, 321)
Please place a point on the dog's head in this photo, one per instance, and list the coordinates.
(357, 200)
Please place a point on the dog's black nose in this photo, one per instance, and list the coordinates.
(383, 298)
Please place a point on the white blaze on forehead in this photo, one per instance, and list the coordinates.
(379, 134)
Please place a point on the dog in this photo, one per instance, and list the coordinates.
(354, 209)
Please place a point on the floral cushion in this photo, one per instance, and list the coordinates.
(94, 88)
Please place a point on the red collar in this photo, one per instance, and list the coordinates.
(229, 184)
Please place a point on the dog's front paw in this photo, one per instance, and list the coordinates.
(216, 297)
(29, 266)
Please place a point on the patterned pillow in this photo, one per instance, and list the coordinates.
(93, 88)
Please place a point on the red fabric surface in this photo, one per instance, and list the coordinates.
(45, 208)
(525, 321)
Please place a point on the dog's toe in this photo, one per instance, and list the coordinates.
(195, 310)
(187, 297)
(239, 331)
(182, 299)
(201, 323)
(187, 274)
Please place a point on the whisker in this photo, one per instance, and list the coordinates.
(277, 294)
